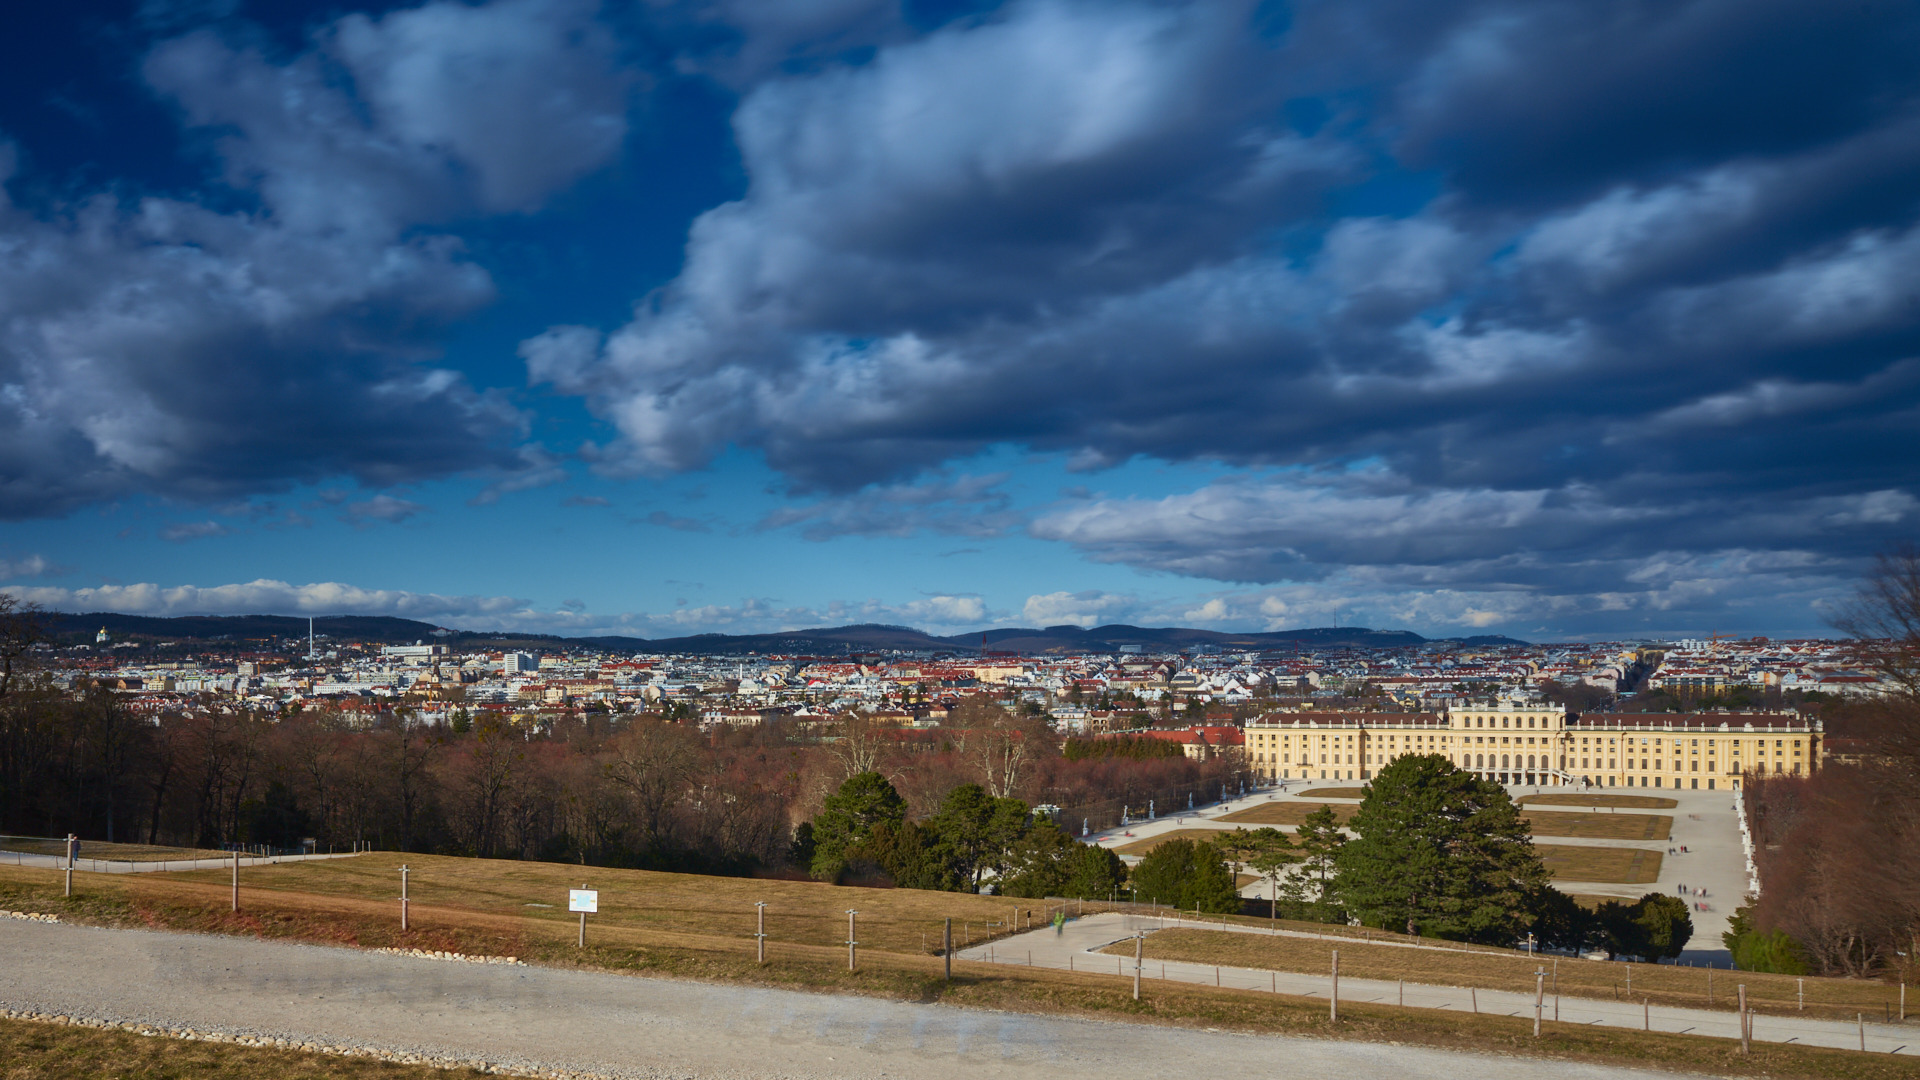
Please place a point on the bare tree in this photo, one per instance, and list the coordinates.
(858, 744)
(22, 625)
(1884, 619)
(654, 760)
(1000, 745)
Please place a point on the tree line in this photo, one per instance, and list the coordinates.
(591, 787)
(1838, 851)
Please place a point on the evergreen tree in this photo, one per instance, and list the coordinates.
(1439, 852)
(907, 852)
(848, 817)
(1665, 925)
(1187, 876)
(1094, 873)
(1655, 926)
(1269, 855)
(1310, 889)
(976, 831)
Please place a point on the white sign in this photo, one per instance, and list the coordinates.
(587, 900)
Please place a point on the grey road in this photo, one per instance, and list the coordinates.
(636, 1027)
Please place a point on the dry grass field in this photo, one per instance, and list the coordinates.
(1141, 847)
(1511, 970)
(96, 849)
(686, 926)
(1637, 802)
(1284, 813)
(59, 1052)
(532, 897)
(1624, 866)
(1601, 826)
(1334, 793)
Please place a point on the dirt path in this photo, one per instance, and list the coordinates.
(623, 1026)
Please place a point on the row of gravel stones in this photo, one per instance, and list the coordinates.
(31, 916)
(462, 958)
(312, 1047)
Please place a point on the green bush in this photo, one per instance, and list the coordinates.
(1188, 876)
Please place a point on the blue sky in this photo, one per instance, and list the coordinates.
(1550, 319)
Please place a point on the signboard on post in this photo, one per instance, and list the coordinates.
(583, 900)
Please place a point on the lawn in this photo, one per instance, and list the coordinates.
(1625, 866)
(1284, 813)
(1334, 793)
(1601, 826)
(687, 926)
(531, 897)
(1512, 970)
(1636, 802)
(1141, 847)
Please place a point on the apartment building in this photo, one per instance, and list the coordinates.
(1541, 746)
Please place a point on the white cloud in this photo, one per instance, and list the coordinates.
(264, 597)
(193, 530)
(1083, 609)
(381, 508)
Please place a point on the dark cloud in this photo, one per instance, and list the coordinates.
(1531, 283)
(196, 350)
(958, 506)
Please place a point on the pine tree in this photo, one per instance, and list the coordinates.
(1270, 853)
(1187, 876)
(848, 817)
(1319, 841)
(1436, 851)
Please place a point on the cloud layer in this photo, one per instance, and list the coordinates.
(1572, 289)
(282, 328)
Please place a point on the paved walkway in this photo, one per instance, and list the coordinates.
(155, 866)
(1077, 947)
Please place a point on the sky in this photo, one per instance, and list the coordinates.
(1558, 320)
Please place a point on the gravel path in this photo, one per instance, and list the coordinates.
(535, 1017)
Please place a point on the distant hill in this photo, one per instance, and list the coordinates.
(385, 629)
(828, 641)
(1073, 639)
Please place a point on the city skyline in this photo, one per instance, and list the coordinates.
(582, 319)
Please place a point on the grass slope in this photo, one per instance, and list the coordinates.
(687, 926)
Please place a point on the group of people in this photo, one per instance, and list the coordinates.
(1698, 905)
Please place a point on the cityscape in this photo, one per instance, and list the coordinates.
(819, 539)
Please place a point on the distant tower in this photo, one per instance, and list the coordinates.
(309, 637)
(101, 638)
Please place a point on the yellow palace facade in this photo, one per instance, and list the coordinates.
(1541, 746)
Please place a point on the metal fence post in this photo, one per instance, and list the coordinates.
(236, 879)
(1139, 943)
(946, 948)
(403, 897)
(760, 931)
(1539, 998)
(852, 958)
(1333, 1007)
